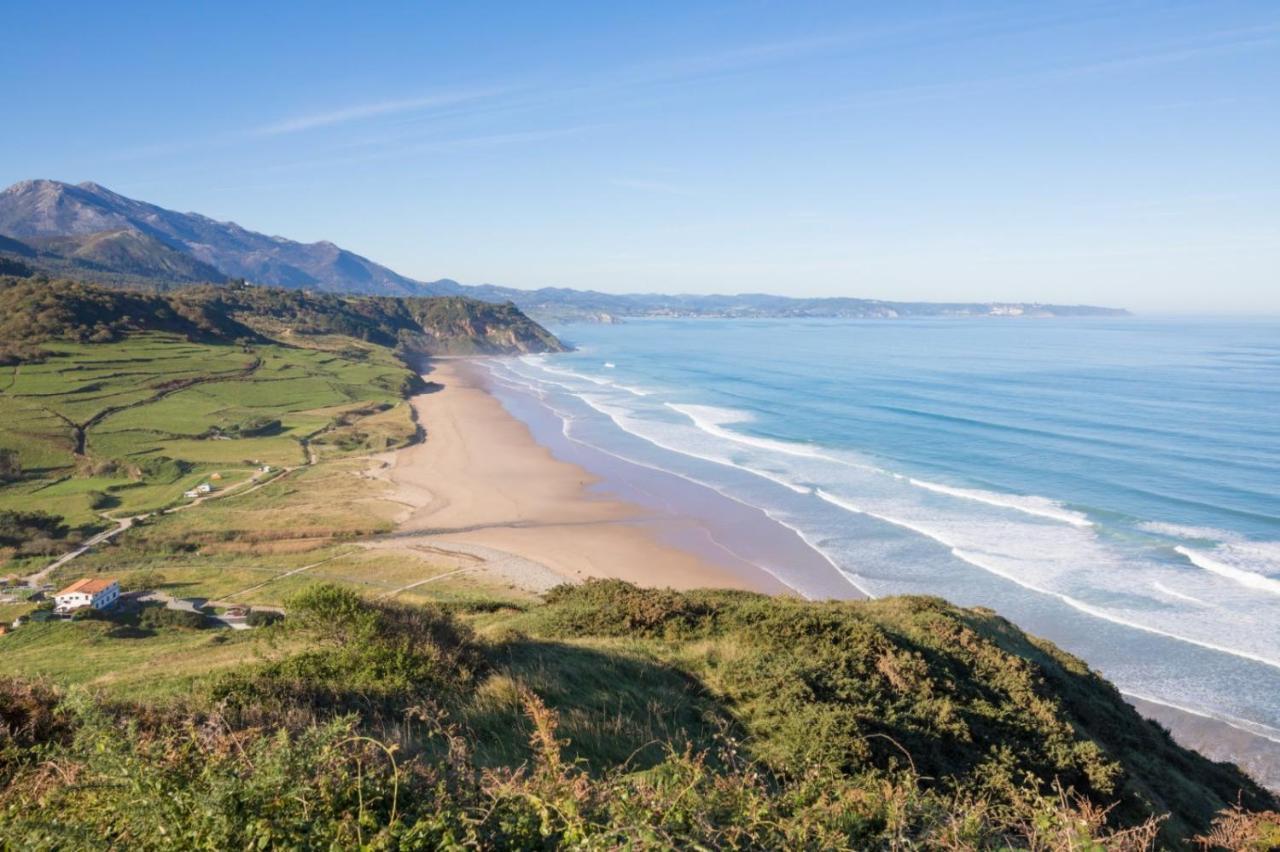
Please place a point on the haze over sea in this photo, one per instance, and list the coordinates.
(1112, 485)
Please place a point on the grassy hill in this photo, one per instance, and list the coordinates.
(35, 310)
(606, 716)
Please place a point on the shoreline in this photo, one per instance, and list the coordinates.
(536, 510)
(480, 481)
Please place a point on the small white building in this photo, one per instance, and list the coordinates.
(204, 488)
(192, 494)
(90, 592)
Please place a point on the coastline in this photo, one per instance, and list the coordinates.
(487, 487)
(481, 483)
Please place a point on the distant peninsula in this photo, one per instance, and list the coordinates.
(86, 231)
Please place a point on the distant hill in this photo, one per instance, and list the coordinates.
(119, 240)
(565, 305)
(35, 310)
(124, 257)
(47, 208)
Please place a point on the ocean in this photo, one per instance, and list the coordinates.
(1112, 485)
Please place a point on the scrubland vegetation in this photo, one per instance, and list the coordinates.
(608, 716)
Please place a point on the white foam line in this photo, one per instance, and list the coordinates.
(717, 489)
(725, 494)
(1037, 506)
(1237, 575)
(785, 483)
(1180, 531)
(542, 366)
(571, 388)
(1161, 587)
(1074, 603)
(697, 413)
(1258, 729)
(1044, 507)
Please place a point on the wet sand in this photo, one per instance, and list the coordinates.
(1216, 740)
(481, 480)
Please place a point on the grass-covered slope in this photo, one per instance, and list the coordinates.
(34, 310)
(608, 717)
(129, 425)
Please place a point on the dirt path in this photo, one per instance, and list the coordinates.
(239, 489)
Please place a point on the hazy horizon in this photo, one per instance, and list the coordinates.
(1088, 154)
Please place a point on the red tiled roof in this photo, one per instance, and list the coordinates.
(87, 585)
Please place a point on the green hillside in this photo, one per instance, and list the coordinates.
(34, 310)
(606, 717)
(118, 402)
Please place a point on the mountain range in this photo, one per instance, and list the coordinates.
(87, 231)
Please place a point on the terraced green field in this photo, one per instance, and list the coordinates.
(129, 426)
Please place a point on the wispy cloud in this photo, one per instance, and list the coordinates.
(376, 109)
(1215, 44)
(455, 144)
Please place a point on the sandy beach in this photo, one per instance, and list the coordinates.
(481, 484)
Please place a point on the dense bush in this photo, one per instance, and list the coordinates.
(160, 618)
(19, 528)
(959, 696)
(180, 782)
(263, 618)
(377, 659)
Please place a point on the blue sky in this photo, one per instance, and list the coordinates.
(1115, 153)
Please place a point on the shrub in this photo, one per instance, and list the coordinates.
(19, 528)
(263, 618)
(159, 618)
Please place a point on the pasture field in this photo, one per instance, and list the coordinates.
(127, 427)
(127, 663)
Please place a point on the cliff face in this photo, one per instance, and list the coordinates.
(457, 326)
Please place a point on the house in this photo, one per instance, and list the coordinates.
(204, 488)
(192, 494)
(90, 592)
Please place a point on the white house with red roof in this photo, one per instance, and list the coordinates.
(90, 592)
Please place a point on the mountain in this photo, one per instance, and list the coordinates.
(47, 208)
(123, 257)
(36, 210)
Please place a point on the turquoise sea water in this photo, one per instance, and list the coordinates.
(1112, 485)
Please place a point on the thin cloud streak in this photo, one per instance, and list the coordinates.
(925, 92)
(440, 146)
(370, 110)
